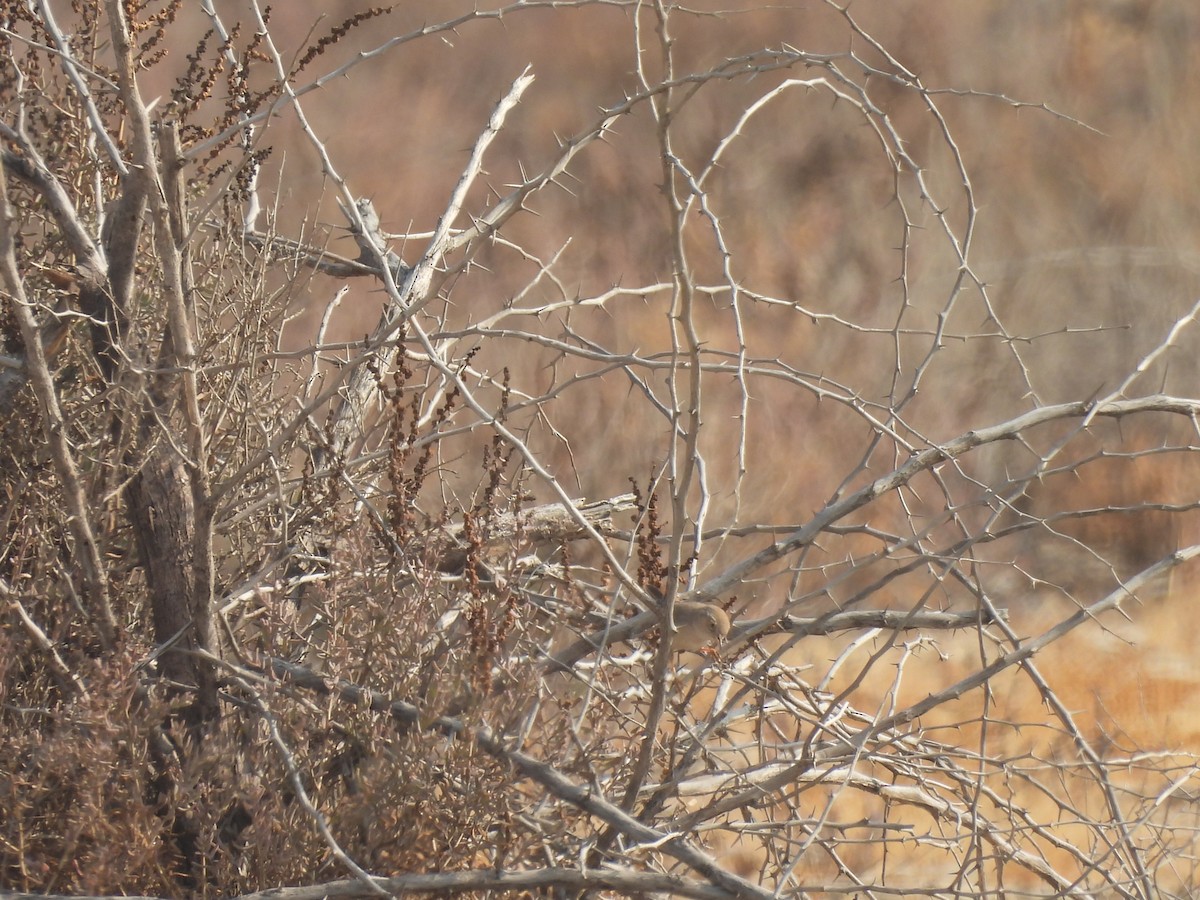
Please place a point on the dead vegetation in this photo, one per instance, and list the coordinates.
(373, 393)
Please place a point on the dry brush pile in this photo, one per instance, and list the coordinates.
(405, 609)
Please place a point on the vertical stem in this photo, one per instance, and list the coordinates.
(87, 553)
(193, 563)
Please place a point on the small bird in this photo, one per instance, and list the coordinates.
(699, 627)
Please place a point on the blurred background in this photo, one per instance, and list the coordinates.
(1075, 123)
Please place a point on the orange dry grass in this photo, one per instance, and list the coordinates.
(1126, 687)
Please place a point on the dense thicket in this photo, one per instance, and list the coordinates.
(384, 401)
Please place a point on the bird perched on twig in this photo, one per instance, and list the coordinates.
(699, 627)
